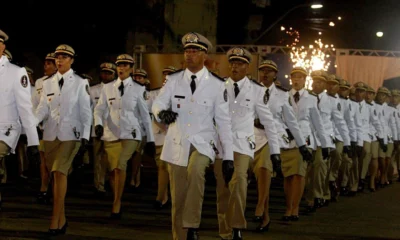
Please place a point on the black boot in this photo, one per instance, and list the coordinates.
(192, 234)
(237, 234)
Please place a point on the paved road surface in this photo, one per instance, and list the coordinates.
(370, 216)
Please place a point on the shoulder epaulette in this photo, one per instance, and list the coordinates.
(50, 76)
(138, 82)
(257, 83)
(281, 88)
(331, 95)
(370, 103)
(218, 77)
(343, 97)
(177, 71)
(155, 89)
(312, 93)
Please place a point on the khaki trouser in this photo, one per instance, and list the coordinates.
(345, 169)
(187, 193)
(99, 164)
(23, 163)
(366, 159)
(355, 172)
(223, 195)
(336, 161)
(238, 188)
(319, 173)
(163, 178)
(4, 151)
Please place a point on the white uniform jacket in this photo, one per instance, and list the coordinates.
(389, 122)
(67, 111)
(285, 120)
(122, 113)
(332, 118)
(16, 105)
(366, 115)
(194, 124)
(309, 119)
(250, 102)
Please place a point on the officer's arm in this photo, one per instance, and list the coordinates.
(291, 121)
(340, 123)
(223, 122)
(163, 100)
(392, 124)
(358, 125)
(267, 119)
(145, 115)
(100, 108)
(350, 120)
(316, 121)
(85, 110)
(42, 109)
(398, 123)
(24, 106)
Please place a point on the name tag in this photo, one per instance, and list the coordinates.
(111, 99)
(96, 98)
(248, 100)
(51, 94)
(178, 96)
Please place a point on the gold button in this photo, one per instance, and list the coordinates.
(189, 125)
(187, 136)
(235, 101)
(192, 100)
(190, 112)
(233, 111)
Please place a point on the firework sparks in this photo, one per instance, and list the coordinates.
(312, 58)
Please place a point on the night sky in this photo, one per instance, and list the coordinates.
(98, 32)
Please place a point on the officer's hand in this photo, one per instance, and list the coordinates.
(39, 133)
(83, 147)
(276, 164)
(382, 144)
(32, 151)
(167, 116)
(353, 147)
(348, 150)
(307, 156)
(150, 149)
(99, 130)
(227, 170)
(325, 153)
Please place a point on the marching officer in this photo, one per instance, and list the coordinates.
(294, 152)
(189, 102)
(160, 130)
(396, 105)
(140, 76)
(341, 136)
(247, 98)
(65, 104)
(49, 70)
(16, 109)
(107, 75)
(365, 116)
(390, 133)
(305, 106)
(349, 111)
(331, 119)
(116, 117)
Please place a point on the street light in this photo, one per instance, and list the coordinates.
(316, 6)
(379, 34)
(313, 6)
